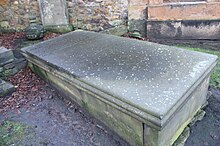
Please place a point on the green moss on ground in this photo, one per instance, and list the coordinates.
(11, 132)
(215, 77)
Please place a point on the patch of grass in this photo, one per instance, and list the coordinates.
(11, 132)
(215, 77)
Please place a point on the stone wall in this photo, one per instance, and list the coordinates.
(152, 18)
(14, 14)
(97, 15)
(189, 20)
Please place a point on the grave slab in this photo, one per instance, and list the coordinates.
(6, 88)
(147, 93)
(6, 56)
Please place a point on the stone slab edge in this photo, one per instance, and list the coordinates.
(6, 88)
(186, 96)
(151, 120)
(6, 56)
(59, 28)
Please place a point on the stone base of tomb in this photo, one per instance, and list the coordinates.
(125, 124)
(150, 107)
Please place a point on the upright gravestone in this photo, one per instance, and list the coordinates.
(54, 15)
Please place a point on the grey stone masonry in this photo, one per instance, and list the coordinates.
(6, 56)
(9, 64)
(147, 93)
(5, 88)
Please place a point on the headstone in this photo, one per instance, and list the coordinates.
(145, 92)
(6, 56)
(54, 14)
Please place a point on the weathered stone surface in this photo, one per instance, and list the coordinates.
(5, 88)
(53, 12)
(4, 24)
(20, 62)
(3, 2)
(10, 65)
(183, 116)
(13, 67)
(15, 14)
(159, 86)
(88, 15)
(118, 30)
(184, 11)
(59, 28)
(6, 56)
(185, 29)
(97, 15)
(137, 18)
(137, 26)
(138, 2)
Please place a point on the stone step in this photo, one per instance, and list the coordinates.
(147, 93)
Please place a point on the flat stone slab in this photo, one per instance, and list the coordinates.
(5, 88)
(152, 83)
(6, 56)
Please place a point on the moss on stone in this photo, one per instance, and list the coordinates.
(59, 29)
(38, 71)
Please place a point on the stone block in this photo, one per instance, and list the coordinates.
(117, 30)
(184, 11)
(137, 19)
(20, 63)
(156, 2)
(138, 2)
(53, 13)
(6, 56)
(137, 26)
(13, 67)
(184, 29)
(5, 88)
(9, 66)
(59, 28)
(9, 72)
(137, 12)
(147, 93)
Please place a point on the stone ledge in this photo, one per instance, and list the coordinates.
(59, 28)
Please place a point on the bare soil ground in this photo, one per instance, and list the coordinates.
(46, 118)
(35, 114)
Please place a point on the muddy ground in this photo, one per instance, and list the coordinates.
(49, 120)
(35, 114)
